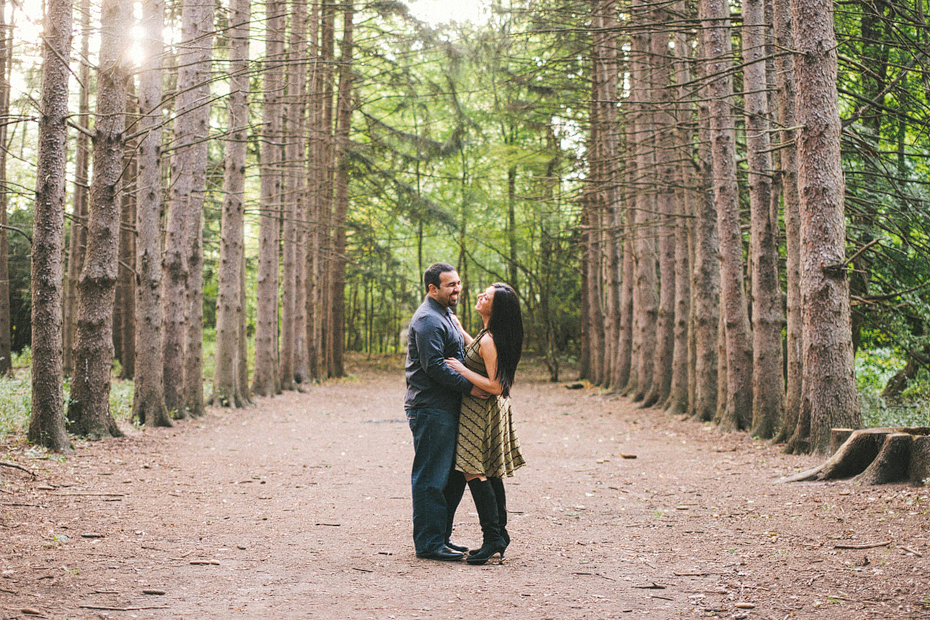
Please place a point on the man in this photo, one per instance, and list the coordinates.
(432, 402)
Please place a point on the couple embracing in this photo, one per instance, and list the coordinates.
(458, 409)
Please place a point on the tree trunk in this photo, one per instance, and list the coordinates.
(705, 273)
(313, 265)
(326, 170)
(243, 357)
(47, 424)
(78, 241)
(193, 350)
(830, 385)
(183, 204)
(6, 62)
(265, 379)
(646, 302)
(788, 175)
(340, 259)
(682, 362)
(126, 283)
(293, 324)
(661, 100)
(89, 405)
(148, 405)
(768, 383)
(605, 64)
(200, 123)
(717, 49)
(227, 390)
(623, 363)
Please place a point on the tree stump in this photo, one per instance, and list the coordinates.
(875, 456)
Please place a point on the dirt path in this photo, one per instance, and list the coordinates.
(299, 508)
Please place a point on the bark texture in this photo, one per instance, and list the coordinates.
(47, 423)
(6, 353)
(875, 456)
(78, 239)
(645, 301)
(768, 384)
(788, 176)
(683, 358)
(197, 168)
(293, 323)
(666, 204)
(148, 405)
(265, 380)
(182, 207)
(125, 345)
(715, 23)
(89, 404)
(705, 275)
(829, 391)
(227, 389)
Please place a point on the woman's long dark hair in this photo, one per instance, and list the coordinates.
(506, 327)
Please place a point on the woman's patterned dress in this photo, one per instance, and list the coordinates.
(487, 443)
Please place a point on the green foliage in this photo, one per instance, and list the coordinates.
(15, 403)
(875, 367)
(16, 400)
(465, 151)
(873, 370)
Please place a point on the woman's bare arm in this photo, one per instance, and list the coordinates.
(488, 353)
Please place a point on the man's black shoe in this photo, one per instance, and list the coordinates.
(454, 547)
(446, 555)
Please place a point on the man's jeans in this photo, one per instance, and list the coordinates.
(434, 432)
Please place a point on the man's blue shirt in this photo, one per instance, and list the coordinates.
(432, 337)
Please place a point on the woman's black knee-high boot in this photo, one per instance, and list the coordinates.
(498, 485)
(486, 504)
(453, 492)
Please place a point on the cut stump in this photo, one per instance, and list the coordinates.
(875, 456)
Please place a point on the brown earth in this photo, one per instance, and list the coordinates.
(300, 508)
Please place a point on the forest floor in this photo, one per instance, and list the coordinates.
(299, 507)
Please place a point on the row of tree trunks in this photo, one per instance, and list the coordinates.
(158, 282)
(698, 346)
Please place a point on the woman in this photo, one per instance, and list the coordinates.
(487, 448)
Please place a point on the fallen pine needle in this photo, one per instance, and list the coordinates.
(863, 546)
(104, 608)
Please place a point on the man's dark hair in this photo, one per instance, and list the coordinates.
(432, 274)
